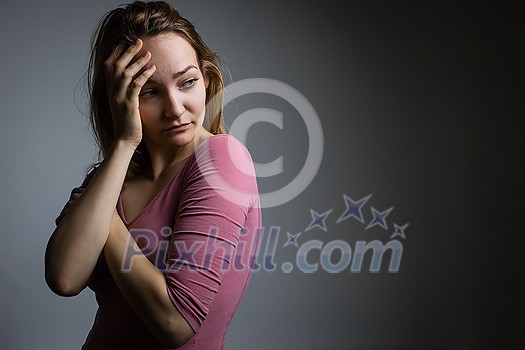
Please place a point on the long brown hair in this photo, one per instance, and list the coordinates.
(124, 25)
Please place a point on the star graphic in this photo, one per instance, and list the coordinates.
(353, 208)
(379, 218)
(318, 220)
(292, 239)
(399, 231)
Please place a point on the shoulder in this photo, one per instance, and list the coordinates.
(221, 141)
(225, 150)
(224, 164)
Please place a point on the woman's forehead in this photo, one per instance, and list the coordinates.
(169, 47)
(170, 53)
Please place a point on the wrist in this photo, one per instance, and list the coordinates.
(122, 146)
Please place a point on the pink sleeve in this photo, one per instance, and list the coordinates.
(219, 190)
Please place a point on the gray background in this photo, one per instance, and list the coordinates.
(419, 105)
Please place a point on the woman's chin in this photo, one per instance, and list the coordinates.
(182, 138)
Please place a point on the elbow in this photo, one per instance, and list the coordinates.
(61, 286)
(60, 281)
(175, 341)
(176, 333)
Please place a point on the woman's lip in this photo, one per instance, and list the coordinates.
(177, 127)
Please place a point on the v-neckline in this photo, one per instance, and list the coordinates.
(120, 206)
(150, 203)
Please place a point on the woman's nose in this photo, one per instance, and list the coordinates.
(174, 106)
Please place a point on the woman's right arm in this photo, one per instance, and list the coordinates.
(80, 236)
(76, 243)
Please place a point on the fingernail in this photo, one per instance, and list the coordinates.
(137, 43)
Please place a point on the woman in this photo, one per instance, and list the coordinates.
(164, 230)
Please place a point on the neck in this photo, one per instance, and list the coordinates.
(165, 160)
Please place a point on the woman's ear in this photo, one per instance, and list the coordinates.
(206, 81)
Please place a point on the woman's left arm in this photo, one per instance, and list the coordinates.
(144, 287)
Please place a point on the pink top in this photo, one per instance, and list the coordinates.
(202, 230)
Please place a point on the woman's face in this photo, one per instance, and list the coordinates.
(172, 102)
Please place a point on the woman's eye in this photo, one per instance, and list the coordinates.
(148, 93)
(189, 83)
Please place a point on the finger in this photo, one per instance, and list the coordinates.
(139, 82)
(108, 65)
(77, 190)
(111, 62)
(123, 61)
(75, 194)
(59, 218)
(136, 67)
(74, 197)
(62, 214)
